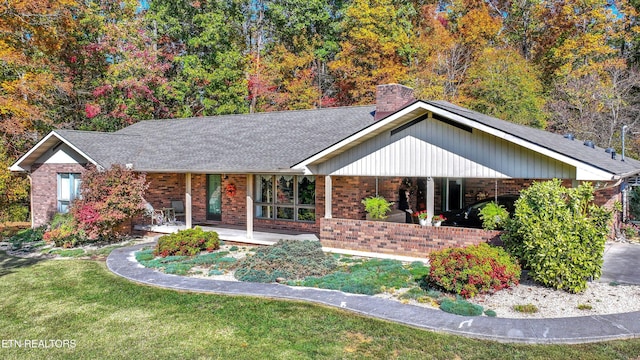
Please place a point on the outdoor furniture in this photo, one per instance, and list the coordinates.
(157, 216)
(169, 216)
(178, 208)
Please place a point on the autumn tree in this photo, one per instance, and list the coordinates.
(501, 83)
(291, 45)
(375, 50)
(33, 83)
(451, 41)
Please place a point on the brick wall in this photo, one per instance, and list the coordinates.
(44, 189)
(398, 239)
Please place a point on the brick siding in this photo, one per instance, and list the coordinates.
(398, 239)
(44, 189)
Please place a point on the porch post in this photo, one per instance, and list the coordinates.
(249, 206)
(187, 201)
(328, 199)
(430, 199)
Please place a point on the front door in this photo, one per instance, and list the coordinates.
(454, 194)
(214, 197)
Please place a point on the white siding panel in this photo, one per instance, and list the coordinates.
(61, 155)
(433, 148)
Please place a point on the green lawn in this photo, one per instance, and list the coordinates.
(109, 317)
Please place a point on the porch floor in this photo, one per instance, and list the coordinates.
(232, 233)
(266, 237)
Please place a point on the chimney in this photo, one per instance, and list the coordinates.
(390, 98)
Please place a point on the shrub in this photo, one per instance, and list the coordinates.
(493, 216)
(63, 232)
(27, 235)
(559, 234)
(377, 207)
(527, 309)
(288, 259)
(109, 198)
(490, 313)
(369, 277)
(472, 270)
(187, 242)
(460, 307)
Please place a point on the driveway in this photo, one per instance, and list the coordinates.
(621, 263)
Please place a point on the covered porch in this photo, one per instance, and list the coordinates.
(238, 234)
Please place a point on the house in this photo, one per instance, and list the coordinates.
(308, 170)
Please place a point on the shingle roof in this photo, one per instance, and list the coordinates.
(276, 141)
(575, 149)
(104, 148)
(260, 142)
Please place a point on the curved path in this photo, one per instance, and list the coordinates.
(561, 330)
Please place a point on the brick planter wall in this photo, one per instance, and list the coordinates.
(398, 239)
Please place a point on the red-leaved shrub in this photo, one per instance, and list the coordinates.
(474, 269)
(109, 198)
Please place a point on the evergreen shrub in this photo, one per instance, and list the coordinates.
(460, 307)
(187, 242)
(287, 259)
(559, 234)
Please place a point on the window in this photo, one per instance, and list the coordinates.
(68, 190)
(286, 197)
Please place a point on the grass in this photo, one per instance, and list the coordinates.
(110, 317)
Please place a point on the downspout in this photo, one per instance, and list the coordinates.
(624, 129)
(31, 199)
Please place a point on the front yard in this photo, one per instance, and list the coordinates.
(109, 317)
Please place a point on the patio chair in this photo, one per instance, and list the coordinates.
(157, 216)
(178, 207)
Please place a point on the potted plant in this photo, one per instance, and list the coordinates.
(493, 216)
(437, 220)
(422, 217)
(377, 207)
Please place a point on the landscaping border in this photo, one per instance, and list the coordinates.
(572, 330)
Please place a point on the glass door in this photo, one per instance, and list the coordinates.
(214, 197)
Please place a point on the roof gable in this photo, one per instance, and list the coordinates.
(590, 164)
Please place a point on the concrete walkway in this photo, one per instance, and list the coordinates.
(561, 330)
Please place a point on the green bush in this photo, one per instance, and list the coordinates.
(187, 242)
(460, 307)
(64, 232)
(288, 259)
(369, 277)
(27, 235)
(472, 270)
(559, 234)
(493, 216)
(377, 207)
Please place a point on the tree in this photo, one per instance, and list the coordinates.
(374, 50)
(501, 83)
(205, 43)
(32, 77)
(14, 192)
(595, 106)
(109, 198)
(448, 44)
(122, 74)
